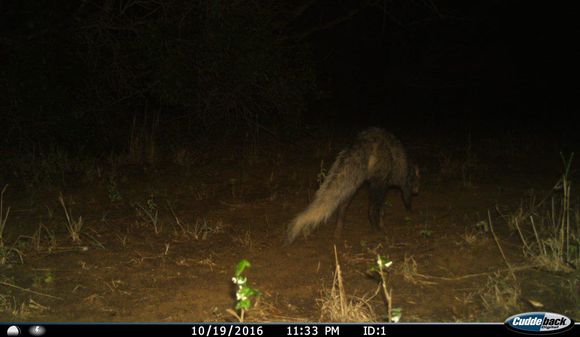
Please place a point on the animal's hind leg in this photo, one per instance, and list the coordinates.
(377, 195)
(340, 218)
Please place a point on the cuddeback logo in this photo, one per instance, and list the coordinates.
(539, 323)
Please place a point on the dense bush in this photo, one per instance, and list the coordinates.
(78, 74)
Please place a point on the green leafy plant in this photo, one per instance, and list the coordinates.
(244, 293)
(426, 233)
(44, 279)
(113, 190)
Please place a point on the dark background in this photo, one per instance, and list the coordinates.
(207, 125)
(81, 76)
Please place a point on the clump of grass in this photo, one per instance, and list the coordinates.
(410, 272)
(43, 279)
(470, 238)
(73, 226)
(336, 306)
(149, 215)
(572, 289)
(180, 229)
(113, 190)
(3, 218)
(245, 239)
(201, 191)
(5, 250)
(550, 230)
(501, 294)
(18, 309)
(200, 229)
(204, 227)
(41, 233)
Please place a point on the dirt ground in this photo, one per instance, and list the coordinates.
(236, 203)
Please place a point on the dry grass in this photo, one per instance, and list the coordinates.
(6, 251)
(3, 219)
(266, 310)
(148, 215)
(245, 239)
(501, 294)
(20, 309)
(572, 288)
(73, 226)
(477, 236)
(410, 273)
(202, 228)
(337, 306)
(550, 229)
(41, 235)
(470, 238)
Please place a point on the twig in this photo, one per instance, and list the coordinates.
(499, 247)
(338, 278)
(462, 277)
(29, 291)
(521, 234)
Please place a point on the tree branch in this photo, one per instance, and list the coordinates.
(329, 24)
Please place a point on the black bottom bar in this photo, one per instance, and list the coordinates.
(265, 330)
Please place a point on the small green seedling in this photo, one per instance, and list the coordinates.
(113, 190)
(426, 233)
(244, 293)
(381, 266)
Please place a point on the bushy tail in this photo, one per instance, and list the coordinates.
(346, 175)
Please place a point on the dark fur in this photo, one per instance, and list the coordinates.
(377, 158)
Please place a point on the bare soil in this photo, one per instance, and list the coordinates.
(123, 271)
